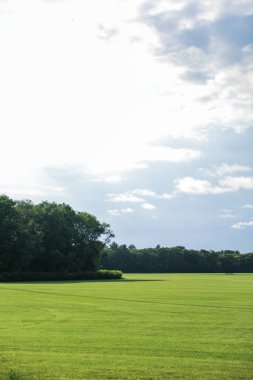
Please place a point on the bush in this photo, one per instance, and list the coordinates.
(109, 274)
(58, 276)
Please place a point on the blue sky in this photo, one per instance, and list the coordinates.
(140, 112)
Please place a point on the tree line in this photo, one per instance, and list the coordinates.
(175, 260)
(53, 238)
(49, 237)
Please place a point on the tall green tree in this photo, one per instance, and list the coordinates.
(91, 237)
(9, 221)
(49, 237)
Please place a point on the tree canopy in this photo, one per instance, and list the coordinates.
(54, 238)
(175, 259)
(49, 237)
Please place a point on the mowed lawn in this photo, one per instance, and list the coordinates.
(147, 326)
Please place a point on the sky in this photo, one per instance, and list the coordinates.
(137, 111)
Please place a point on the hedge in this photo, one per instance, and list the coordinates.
(57, 276)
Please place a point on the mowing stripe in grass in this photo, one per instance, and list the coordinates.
(132, 300)
(129, 330)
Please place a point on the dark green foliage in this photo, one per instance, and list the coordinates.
(53, 242)
(49, 238)
(109, 274)
(60, 276)
(175, 260)
(14, 376)
(9, 231)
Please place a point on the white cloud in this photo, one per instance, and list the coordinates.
(167, 196)
(195, 37)
(236, 183)
(233, 94)
(117, 212)
(95, 92)
(125, 197)
(106, 33)
(223, 169)
(166, 6)
(32, 189)
(226, 210)
(148, 206)
(152, 194)
(163, 154)
(113, 179)
(139, 196)
(227, 215)
(144, 192)
(189, 185)
(242, 225)
(76, 94)
(248, 206)
(207, 10)
(110, 179)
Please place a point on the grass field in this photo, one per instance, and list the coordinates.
(148, 326)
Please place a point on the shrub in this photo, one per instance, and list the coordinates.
(60, 276)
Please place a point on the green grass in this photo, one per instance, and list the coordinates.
(148, 326)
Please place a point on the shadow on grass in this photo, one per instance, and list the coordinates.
(142, 280)
(14, 375)
(81, 281)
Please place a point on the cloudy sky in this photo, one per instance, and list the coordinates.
(137, 111)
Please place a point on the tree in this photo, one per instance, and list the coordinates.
(29, 236)
(56, 227)
(9, 220)
(175, 259)
(49, 237)
(90, 238)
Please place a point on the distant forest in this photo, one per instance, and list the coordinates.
(175, 260)
(53, 238)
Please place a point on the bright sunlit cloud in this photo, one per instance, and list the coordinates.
(242, 225)
(128, 102)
